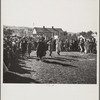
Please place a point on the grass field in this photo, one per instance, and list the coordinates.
(68, 68)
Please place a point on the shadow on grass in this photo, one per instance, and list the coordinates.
(19, 67)
(78, 57)
(61, 59)
(54, 58)
(59, 63)
(32, 57)
(11, 77)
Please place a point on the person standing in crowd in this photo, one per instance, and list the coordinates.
(94, 46)
(9, 54)
(29, 47)
(58, 46)
(90, 46)
(81, 44)
(66, 45)
(41, 48)
(6, 55)
(35, 45)
(70, 44)
(50, 46)
(24, 47)
(54, 44)
(75, 45)
(86, 46)
(14, 46)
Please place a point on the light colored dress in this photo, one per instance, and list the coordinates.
(58, 45)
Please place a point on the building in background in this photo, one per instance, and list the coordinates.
(49, 32)
(46, 32)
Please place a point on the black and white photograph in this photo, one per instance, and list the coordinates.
(50, 41)
(50, 49)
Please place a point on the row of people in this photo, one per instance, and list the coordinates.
(88, 46)
(14, 47)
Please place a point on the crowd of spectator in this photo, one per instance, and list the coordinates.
(13, 47)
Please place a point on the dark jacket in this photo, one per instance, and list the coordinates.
(41, 49)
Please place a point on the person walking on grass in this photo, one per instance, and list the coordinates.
(41, 48)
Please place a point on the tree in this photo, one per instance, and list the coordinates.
(7, 31)
(82, 33)
(89, 33)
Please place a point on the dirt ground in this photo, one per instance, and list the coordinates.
(67, 68)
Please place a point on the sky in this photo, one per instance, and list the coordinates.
(70, 15)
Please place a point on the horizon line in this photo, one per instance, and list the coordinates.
(46, 27)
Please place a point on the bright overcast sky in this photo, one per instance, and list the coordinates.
(70, 15)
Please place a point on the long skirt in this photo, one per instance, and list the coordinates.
(58, 48)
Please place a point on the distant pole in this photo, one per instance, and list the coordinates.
(33, 26)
